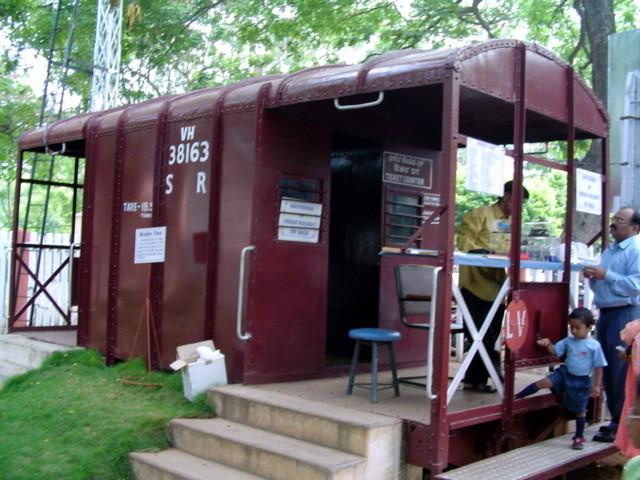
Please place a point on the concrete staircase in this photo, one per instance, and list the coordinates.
(261, 434)
(19, 354)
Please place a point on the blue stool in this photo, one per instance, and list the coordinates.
(373, 337)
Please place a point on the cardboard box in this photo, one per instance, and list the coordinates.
(198, 374)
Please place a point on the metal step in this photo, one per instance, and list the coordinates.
(539, 461)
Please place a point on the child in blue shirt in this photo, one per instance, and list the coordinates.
(583, 355)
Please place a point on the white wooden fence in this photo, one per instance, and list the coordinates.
(42, 313)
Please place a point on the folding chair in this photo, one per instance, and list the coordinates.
(417, 291)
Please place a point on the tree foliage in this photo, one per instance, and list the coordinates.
(171, 47)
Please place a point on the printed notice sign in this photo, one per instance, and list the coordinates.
(303, 208)
(406, 170)
(150, 245)
(303, 221)
(299, 221)
(485, 167)
(307, 235)
(588, 192)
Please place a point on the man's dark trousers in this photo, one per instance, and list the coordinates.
(608, 327)
(477, 373)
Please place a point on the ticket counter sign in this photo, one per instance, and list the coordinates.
(407, 170)
(516, 324)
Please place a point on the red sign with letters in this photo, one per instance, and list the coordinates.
(516, 324)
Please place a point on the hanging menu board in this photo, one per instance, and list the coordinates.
(485, 167)
(299, 221)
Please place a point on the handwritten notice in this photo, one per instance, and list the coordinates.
(588, 192)
(150, 245)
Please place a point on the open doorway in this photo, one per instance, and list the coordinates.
(354, 243)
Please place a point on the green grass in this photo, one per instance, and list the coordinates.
(75, 419)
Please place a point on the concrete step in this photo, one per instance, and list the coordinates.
(377, 437)
(27, 352)
(263, 453)
(175, 464)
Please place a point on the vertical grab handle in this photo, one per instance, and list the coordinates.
(5, 288)
(72, 247)
(432, 332)
(240, 310)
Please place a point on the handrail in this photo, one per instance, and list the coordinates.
(71, 249)
(53, 153)
(432, 333)
(240, 309)
(356, 106)
(5, 295)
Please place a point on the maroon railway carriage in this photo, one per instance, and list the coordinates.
(278, 195)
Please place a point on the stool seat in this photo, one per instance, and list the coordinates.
(374, 335)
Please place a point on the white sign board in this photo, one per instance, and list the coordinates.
(485, 167)
(406, 170)
(303, 221)
(588, 192)
(150, 245)
(307, 235)
(304, 208)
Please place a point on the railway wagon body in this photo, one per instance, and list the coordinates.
(274, 198)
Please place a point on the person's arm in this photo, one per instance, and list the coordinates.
(548, 344)
(469, 233)
(626, 285)
(596, 385)
(620, 284)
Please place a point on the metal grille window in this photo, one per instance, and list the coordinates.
(301, 189)
(402, 216)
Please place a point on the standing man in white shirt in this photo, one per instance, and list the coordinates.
(616, 285)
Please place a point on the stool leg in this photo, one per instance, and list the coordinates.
(354, 367)
(394, 372)
(374, 372)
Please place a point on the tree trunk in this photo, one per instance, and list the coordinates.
(598, 20)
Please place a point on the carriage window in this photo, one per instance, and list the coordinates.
(300, 189)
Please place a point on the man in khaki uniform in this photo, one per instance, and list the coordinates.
(480, 285)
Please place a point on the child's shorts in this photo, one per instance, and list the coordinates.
(576, 389)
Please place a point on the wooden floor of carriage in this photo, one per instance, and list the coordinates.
(412, 403)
